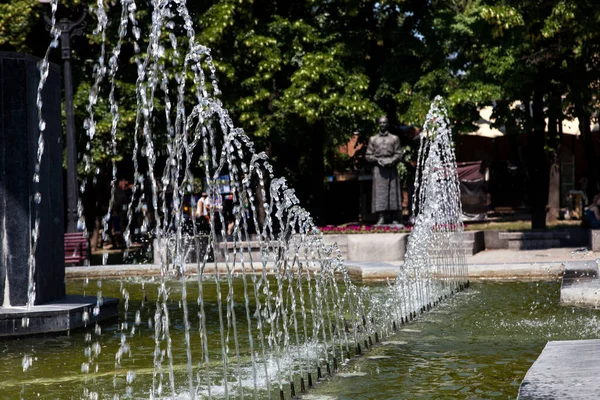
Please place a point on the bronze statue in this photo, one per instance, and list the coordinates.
(384, 153)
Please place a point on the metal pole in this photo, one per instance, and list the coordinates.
(72, 217)
(67, 29)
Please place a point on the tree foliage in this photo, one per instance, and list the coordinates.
(302, 77)
(534, 62)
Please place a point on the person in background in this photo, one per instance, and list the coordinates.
(592, 214)
(203, 210)
(118, 218)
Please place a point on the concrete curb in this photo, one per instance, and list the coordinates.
(358, 271)
(153, 270)
(526, 271)
(552, 270)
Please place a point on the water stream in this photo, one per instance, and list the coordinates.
(277, 312)
(479, 344)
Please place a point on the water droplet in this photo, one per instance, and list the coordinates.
(130, 377)
(27, 362)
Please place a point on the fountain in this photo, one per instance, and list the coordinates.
(32, 275)
(272, 311)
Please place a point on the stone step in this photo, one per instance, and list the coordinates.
(534, 235)
(565, 370)
(469, 246)
(475, 241)
(533, 244)
(532, 240)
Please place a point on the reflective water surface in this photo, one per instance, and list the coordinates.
(478, 344)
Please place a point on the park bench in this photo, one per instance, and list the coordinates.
(76, 248)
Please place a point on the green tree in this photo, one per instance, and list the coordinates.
(294, 81)
(571, 26)
(302, 77)
(16, 23)
(522, 53)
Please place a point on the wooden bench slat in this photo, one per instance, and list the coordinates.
(75, 248)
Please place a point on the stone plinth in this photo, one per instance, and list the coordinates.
(474, 242)
(580, 284)
(341, 240)
(370, 246)
(377, 247)
(243, 251)
(162, 250)
(385, 247)
(19, 133)
(493, 241)
(565, 370)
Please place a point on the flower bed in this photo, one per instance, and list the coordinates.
(361, 229)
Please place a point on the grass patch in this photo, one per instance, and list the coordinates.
(522, 225)
(514, 225)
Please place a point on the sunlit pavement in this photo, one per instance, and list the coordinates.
(503, 264)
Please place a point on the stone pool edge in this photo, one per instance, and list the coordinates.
(358, 271)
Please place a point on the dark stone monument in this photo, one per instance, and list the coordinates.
(53, 311)
(19, 133)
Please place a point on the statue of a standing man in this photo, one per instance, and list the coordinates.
(384, 152)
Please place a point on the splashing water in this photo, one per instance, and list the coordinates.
(435, 248)
(300, 312)
(44, 68)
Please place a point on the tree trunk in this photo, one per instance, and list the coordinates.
(555, 135)
(553, 191)
(537, 163)
(317, 170)
(588, 145)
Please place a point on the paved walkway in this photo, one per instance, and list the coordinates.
(531, 256)
(505, 264)
(501, 264)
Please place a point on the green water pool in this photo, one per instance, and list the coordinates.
(477, 345)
